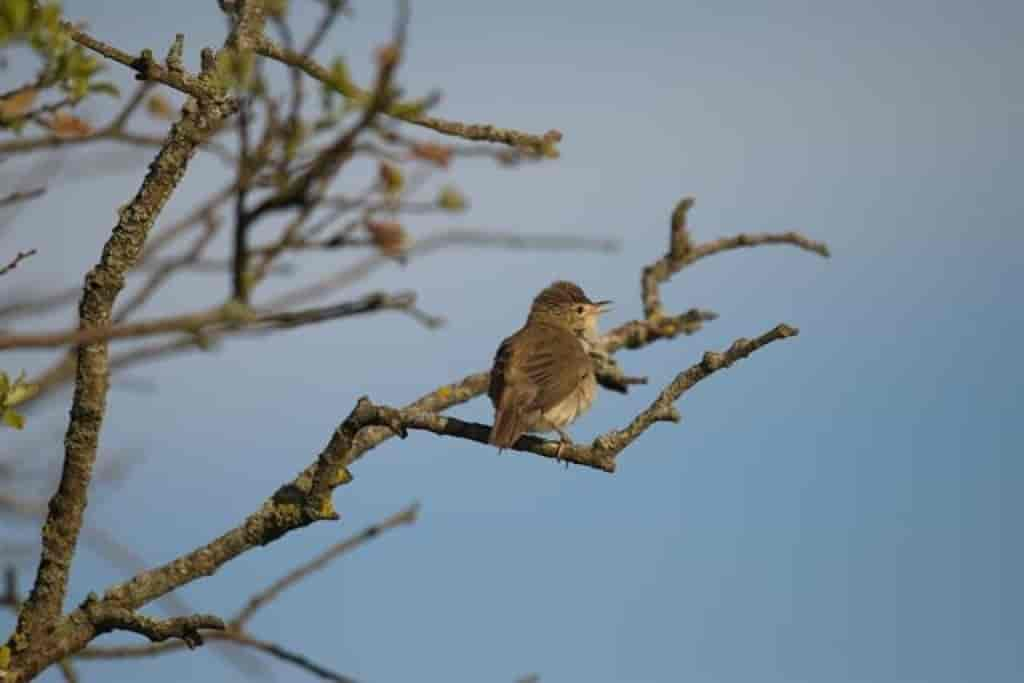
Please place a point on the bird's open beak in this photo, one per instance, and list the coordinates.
(602, 306)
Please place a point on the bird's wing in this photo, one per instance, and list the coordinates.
(554, 363)
(511, 394)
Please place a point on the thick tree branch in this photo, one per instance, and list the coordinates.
(102, 285)
(31, 646)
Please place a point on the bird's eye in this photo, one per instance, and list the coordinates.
(579, 310)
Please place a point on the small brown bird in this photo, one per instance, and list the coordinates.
(542, 377)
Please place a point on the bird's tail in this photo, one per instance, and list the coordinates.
(509, 421)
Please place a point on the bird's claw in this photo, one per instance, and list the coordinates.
(564, 441)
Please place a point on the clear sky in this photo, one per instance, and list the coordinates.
(842, 507)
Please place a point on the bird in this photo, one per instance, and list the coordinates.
(542, 378)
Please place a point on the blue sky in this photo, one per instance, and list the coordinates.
(839, 507)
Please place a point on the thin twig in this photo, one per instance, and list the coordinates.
(228, 636)
(540, 144)
(197, 323)
(22, 255)
(283, 654)
(406, 516)
(682, 252)
(26, 195)
(445, 238)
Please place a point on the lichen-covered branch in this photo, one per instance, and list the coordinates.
(106, 618)
(662, 409)
(639, 333)
(102, 285)
(682, 252)
(236, 632)
(601, 454)
(31, 646)
(145, 64)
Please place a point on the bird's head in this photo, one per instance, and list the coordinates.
(564, 303)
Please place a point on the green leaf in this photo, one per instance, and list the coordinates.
(49, 17)
(20, 391)
(16, 12)
(13, 419)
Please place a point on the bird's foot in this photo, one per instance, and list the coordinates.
(564, 440)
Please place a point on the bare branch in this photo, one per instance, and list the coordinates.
(327, 162)
(756, 239)
(545, 144)
(682, 252)
(41, 304)
(639, 333)
(436, 242)
(15, 197)
(221, 316)
(601, 454)
(283, 654)
(145, 64)
(106, 618)
(227, 636)
(22, 255)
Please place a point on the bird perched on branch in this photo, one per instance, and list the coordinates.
(543, 378)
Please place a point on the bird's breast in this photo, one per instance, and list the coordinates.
(572, 406)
